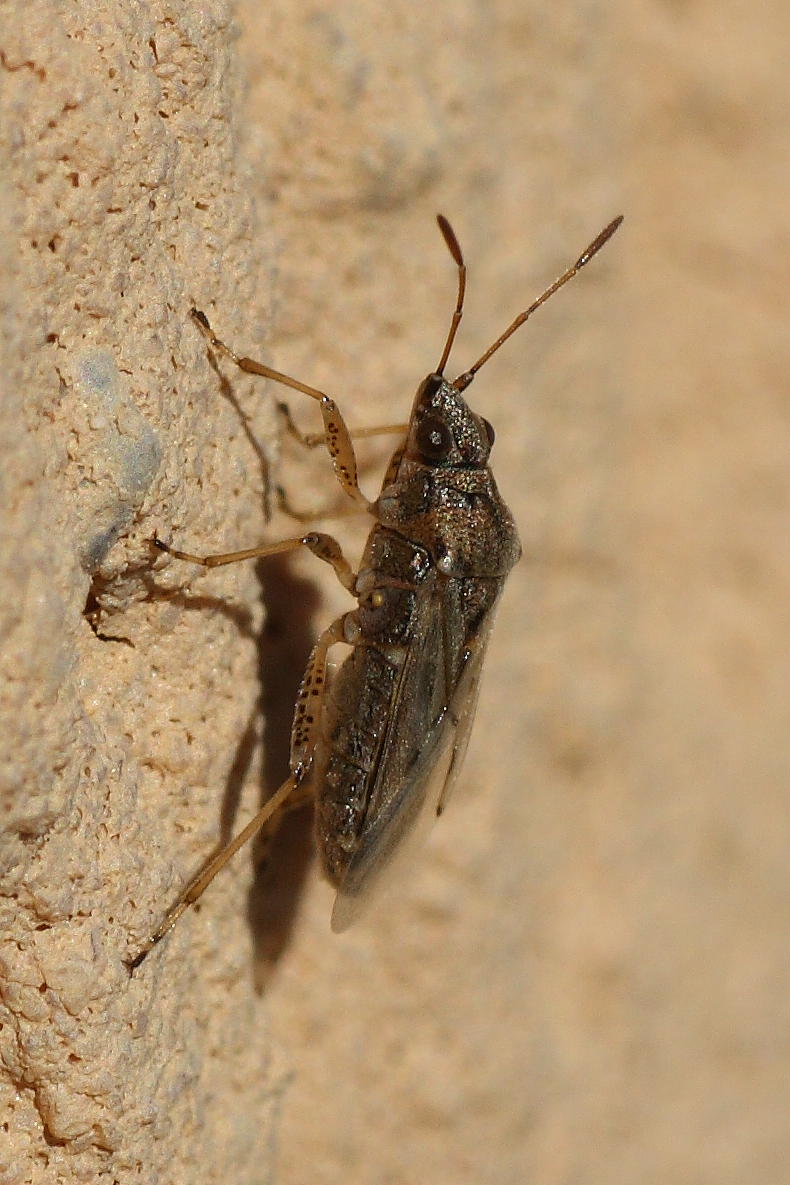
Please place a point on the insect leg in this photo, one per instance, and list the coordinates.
(304, 736)
(324, 546)
(309, 516)
(313, 439)
(309, 701)
(337, 437)
(200, 883)
(304, 732)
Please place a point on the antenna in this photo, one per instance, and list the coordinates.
(455, 251)
(463, 380)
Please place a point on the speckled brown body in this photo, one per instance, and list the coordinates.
(432, 571)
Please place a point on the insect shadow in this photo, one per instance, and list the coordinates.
(282, 861)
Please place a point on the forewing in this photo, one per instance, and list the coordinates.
(422, 752)
(465, 709)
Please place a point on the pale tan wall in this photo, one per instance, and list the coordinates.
(584, 979)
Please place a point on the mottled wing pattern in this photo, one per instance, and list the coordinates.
(465, 709)
(423, 747)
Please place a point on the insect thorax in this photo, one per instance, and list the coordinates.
(457, 515)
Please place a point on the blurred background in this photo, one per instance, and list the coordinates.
(592, 982)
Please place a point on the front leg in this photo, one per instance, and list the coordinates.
(337, 436)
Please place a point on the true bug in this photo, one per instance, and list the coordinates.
(385, 741)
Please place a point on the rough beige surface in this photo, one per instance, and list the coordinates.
(585, 979)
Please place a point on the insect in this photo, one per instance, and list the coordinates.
(382, 744)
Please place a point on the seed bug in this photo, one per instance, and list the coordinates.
(383, 742)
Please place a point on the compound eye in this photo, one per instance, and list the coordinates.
(433, 438)
(489, 431)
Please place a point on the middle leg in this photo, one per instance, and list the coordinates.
(324, 546)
